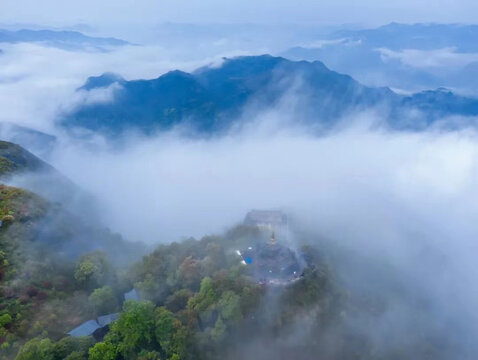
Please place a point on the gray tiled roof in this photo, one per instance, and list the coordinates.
(85, 329)
(107, 319)
(132, 295)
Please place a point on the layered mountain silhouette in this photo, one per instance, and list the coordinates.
(212, 99)
(374, 56)
(63, 39)
(398, 36)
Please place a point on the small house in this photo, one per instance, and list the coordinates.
(88, 328)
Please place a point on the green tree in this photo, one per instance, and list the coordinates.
(165, 328)
(69, 345)
(103, 300)
(219, 330)
(229, 304)
(205, 298)
(5, 319)
(148, 355)
(103, 351)
(180, 343)
(134, 330)
(36, 349)
(94, 270)
(76, 355)
(149, 287)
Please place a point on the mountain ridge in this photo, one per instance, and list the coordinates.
(65, 39)
(212, 96)
(212, 99)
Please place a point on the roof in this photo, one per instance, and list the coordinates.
(260, 217)
(107, 319)
(132, 295)
(272, 262)
(85, 329)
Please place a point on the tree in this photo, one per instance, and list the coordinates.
(3, 263)
(103, 351)
(5, 319)
(36, 349)
(230, 306)
(216, 258)
(149, 287)
(165, 328)
(219, 330)
(180, 343)
(94, 270)
(205, 298)
(190, 272)
(71, 345)
(103, 300)
(148, 355)
(76, 355)
(178, 300)
(134, 330)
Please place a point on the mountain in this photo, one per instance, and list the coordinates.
(103, 81)
(69, 40)
(15, 160)
(31, 139)
(394, 55)
(20, 168)
(397, 36)
(212, 99)
(40, 243)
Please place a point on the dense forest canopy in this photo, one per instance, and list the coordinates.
(197, 299)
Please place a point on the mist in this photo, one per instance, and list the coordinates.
(394, 213)
(37, 83)
(148, 11)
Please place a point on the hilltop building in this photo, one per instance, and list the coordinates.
(271, 261)
(271, 220)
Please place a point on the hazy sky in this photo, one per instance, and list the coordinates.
(97, 12)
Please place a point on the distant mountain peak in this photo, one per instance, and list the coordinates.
(102, 81)
(65, 39)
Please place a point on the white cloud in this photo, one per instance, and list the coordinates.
(396, 197)
(402, 201)
(37, 82)
(150, 11)
(446, 58)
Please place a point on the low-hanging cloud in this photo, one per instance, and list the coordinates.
(404, 203)
(443, 59)
(38, 82)
(193, 180)
(403, 200)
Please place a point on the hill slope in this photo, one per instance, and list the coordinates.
(40, 243)
(14, 160)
